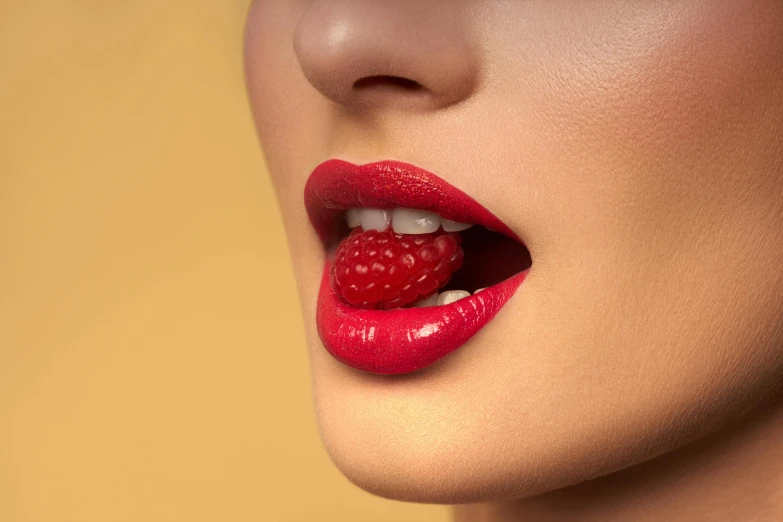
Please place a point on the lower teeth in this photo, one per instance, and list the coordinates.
(428, 301)
(445, 298)
(451, 296)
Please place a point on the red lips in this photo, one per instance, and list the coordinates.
(403, 340)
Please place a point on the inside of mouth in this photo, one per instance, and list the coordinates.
(490, 258)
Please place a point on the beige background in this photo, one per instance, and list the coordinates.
(152, 361)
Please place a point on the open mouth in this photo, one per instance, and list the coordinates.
(414, 267)
(397, 258)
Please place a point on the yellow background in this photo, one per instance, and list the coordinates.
(152, 361)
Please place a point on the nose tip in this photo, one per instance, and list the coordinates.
(406, 54)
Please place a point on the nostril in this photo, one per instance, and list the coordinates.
(388, 81)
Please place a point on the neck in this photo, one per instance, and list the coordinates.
(734, 474)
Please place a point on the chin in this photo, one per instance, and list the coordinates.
(470, 429)
(399, 456)
(429, 439)
(431, 464)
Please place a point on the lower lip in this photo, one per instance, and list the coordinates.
(409, 339)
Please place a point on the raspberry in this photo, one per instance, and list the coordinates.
(388, 270)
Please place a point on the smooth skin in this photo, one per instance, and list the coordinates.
(637, 149)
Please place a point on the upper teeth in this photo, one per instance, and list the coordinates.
(374, 219)
(454, 226)
(407, 221)
(402, 220)
(352, 217)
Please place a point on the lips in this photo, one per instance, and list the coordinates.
(401, 340)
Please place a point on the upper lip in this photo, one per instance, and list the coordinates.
(336, 185)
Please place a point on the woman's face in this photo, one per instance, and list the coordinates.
(636, 148)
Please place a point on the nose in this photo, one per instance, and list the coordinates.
(375, 54)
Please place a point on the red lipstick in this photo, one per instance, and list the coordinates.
(401, 340)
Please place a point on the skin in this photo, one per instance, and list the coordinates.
(637, 150)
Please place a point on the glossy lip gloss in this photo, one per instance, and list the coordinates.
(401, 340)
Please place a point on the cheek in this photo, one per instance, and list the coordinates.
(290, 116)
(641, 126)
(291, 119)
(648, 140)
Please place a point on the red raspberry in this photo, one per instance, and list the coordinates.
(388, 270)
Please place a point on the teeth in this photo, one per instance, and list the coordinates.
(402, 220)
(430, 301)
(479, 290)
(451, 296)
(374, 219)
(454, 226)
(352, 217)
(407, 221)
